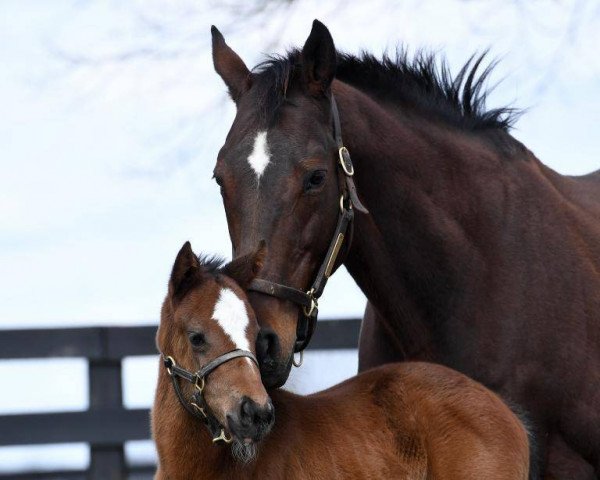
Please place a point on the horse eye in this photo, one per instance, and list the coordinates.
(219, 181)
(197, 339)
(314, 180)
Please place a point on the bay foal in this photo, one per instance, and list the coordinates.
(399, 421)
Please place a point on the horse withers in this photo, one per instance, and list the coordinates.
(402, 420)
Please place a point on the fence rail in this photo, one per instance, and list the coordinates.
(106, 425)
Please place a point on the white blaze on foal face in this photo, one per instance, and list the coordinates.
(231, 315)
(260, 156)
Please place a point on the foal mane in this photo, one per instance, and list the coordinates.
(422, 83)
(212, 263)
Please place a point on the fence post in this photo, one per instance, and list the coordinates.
(107, 461)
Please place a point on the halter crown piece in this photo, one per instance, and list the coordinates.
(196, 405)
(309, 300)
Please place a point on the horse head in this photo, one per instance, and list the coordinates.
(280, 182)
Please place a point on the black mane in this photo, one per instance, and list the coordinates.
(212, 263)
(422, 83)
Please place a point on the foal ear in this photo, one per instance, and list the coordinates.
(245, 269)
(229, 66)
(187, 272)
(318, 59)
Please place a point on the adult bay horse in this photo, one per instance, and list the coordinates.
(408, 420)
(473, 254)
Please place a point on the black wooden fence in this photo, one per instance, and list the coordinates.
(106, 425)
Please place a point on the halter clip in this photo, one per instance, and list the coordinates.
(222, 437)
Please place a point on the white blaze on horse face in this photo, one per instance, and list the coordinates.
(260, 156)
(231, 315)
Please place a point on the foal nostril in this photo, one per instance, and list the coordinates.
(267, 345)
(252, 414)
(268, 415)
(247, 412)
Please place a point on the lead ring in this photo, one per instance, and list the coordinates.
(299, 363)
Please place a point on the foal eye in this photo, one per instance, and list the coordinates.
(314, 180)
(197, 339)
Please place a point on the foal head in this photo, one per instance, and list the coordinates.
(278, 179)
(205, 315)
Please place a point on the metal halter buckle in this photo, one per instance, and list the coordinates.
(313, 303)
(345, 161)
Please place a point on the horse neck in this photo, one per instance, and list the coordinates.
(425, 187)
(183, 442)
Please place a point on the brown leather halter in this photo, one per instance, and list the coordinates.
(308, 301)
(196, 405)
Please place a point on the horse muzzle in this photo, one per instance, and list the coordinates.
(274, 370)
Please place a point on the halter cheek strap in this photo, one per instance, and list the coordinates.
(196, 405)
(309, 300)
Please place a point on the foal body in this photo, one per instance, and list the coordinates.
(401, 421)
(398, 421)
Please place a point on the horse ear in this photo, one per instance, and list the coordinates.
(187, 272)
(245, 269)
(318, 59)
(229, 66)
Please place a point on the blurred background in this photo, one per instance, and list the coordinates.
(112, 117)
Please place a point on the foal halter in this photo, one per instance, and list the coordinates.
(309, 301)
(196, 405)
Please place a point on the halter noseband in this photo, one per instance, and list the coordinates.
(197, 406)
(309, 300)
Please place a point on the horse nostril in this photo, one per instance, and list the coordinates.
(267, 345)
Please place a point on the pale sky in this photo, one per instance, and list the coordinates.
(107, 166)
(112, 117)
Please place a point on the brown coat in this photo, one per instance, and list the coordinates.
(399, 421)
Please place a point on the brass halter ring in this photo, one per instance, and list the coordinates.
(342, 207)
(173, 364)
(298, 363)
(223, 437)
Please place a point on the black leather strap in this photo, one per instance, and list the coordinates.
(278, 290)
(328, 266)
(220, 360)
(344, 155)
(178, 371)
